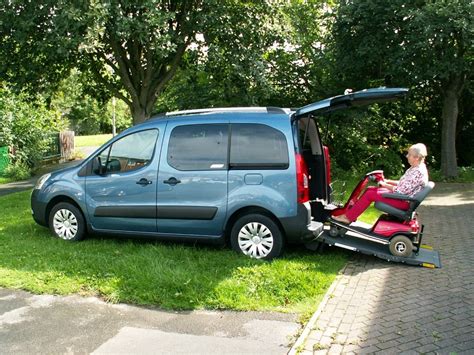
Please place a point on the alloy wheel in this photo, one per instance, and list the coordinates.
(65, 224)
(255, 240)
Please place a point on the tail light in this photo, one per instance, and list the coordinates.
(302, 179)
(414, 225)
(327, 159)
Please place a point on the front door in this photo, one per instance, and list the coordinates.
(192, 180)
(121, 187)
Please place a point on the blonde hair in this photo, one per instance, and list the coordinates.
(420, 150)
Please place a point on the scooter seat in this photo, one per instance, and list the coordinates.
(414, 202)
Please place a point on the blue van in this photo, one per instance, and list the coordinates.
(255, 177)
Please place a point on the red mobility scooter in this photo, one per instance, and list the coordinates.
(395, 236)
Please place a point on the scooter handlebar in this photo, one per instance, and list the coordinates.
(376, 175)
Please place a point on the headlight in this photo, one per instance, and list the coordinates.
(41, 181)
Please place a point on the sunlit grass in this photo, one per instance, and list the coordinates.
(91, 141)
(168, 275)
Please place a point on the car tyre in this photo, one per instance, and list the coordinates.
(67, 222)
(257, 236)
(401, 245)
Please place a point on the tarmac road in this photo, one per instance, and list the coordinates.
(46, 324)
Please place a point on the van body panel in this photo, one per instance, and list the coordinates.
(63, 184)
(276, 193)
(197, 203)
(203, 168)
(272, 189)
(117, 201)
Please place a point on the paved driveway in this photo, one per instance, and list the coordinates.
(379, 307)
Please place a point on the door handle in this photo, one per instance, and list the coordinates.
(172, 181)
(144, 182)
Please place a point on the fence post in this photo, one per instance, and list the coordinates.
(66, 143)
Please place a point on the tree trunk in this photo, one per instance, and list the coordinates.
(139, 113)
(451, 94)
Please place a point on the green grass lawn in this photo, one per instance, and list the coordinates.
(168, 275)
(91, 141)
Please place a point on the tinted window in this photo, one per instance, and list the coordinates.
(258, 146)
(129, 153)
(198, 147)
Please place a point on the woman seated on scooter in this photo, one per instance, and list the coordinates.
(413, 181)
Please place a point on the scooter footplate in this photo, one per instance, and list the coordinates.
(426, 257)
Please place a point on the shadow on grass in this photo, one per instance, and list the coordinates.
(164, 274)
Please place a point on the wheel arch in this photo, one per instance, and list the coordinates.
(62, 198)
(250, 210)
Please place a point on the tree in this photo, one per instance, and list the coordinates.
(424, 44)
(299, 61)
(86, 113)
(132, 48)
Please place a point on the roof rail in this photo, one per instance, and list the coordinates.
(228, 109)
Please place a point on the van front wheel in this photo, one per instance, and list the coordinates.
(257, 236)
(67, 222)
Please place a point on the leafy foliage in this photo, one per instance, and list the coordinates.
(425, 45)
(159, 56)
(24, 125)
(86, 113)
(130, 48)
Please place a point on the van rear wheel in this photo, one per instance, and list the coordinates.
(66, 222)
(257, 236)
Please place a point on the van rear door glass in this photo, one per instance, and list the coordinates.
(257, 146)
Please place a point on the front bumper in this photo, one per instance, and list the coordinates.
(38, 209)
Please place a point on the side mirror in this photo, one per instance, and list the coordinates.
(97, 166)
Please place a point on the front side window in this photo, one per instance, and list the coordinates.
(198, 147)
(127, 154)
(257, 146)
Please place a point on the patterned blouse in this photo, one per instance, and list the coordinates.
(413, 181)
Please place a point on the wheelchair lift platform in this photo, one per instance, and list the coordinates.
(426, 256)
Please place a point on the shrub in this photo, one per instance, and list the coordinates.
(17, 171)
(24, 126)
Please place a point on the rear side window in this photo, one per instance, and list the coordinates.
(257, 146)
(198, 147)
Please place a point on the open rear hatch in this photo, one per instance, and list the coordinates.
(310, 145)
(352, 99)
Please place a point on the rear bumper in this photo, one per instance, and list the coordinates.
(38, 209)
(301, 228)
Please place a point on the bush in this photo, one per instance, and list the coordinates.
(24, 126)
(17, 171)
(466, 174)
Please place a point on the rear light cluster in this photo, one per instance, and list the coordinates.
(302, 179)
(414, 225)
